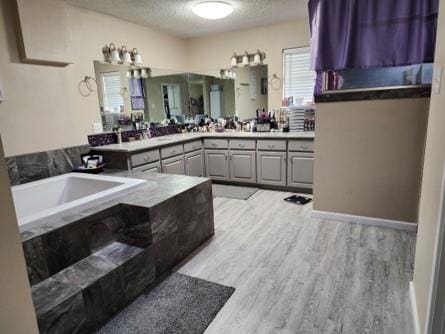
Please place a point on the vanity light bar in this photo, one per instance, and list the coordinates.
(121, 55)
(248, 59)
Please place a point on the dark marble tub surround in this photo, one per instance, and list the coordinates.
(94, 263)
(48, 252)
(36, 166)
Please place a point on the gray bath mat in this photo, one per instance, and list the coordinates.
(235, 192)
(179, 304)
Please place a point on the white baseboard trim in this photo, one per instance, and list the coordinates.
(413, 302)
(394, 224)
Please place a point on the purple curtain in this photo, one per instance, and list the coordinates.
(371, 33)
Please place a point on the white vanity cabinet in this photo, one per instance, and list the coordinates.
(300, 165)
(242, 160)
(242, 166)
(194, 163)
(149, 168)
(271, 162)
(174, 165)
(144, 158)
(300, 168)
(217, 164)
(271, 168)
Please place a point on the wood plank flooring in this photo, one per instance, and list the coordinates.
(294, 274)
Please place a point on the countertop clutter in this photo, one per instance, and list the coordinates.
(156, 142)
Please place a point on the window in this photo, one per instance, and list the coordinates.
(299, 79)
(378, 78)
(111, 82)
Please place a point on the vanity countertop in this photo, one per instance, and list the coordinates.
(142, 145)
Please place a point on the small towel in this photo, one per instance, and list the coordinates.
(136, 94)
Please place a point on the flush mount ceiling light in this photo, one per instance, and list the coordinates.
(212, 10)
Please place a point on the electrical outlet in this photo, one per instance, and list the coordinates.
(437, 79)
(97, 127)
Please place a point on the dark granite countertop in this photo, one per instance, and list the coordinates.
(159, 188)
(378, 94)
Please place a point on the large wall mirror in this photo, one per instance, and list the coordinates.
(180, 95)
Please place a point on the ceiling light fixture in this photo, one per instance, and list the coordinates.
(212, 10)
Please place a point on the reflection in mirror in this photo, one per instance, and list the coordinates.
(251, 89)
(167, 95)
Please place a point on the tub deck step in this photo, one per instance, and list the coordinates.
(89, 292)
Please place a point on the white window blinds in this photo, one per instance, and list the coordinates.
(299, 79)
(111, 82)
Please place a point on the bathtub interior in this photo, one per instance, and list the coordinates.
(58, 194)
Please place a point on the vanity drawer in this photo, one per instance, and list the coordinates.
(301, 145)
(242, 144)
(216, 143)
(144, 158)
(171, 151)
(271, 145)
(154, 167)
(192, 146)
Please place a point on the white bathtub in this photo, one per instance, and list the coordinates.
(66, 194)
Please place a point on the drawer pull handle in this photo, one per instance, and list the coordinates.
(270, 146)
(214, 145)
(147, 159)
(304, 147)
(173, 151)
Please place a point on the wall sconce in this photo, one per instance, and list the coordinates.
(125, 55)
(248, 59)
(137, 58)
(234, 61)
(144, 73)
(227, 74)
(114, 55)
(257, 58)
(111, 54)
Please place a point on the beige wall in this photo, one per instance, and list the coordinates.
(432, 178)
(42, 109)
(368, 157)
(214, 52)
(16, 308)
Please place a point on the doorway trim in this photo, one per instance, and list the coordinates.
(435, 317)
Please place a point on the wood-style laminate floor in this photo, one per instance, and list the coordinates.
(294, 274)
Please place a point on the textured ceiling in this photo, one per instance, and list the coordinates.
(176, 17)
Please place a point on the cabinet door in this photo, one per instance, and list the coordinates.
(194, 163)
(150, 168)
(217, 164)
(173, 165)
(242, 166)
(271, 168)
(300, 170)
